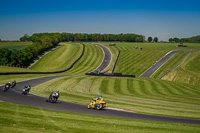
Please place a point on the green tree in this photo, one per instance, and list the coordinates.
(25, 38)
(170, 40)
(155, 39)
(150, 39)
(176, 40)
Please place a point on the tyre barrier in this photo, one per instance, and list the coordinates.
(115, 62)
(48, 72)
(110, 74)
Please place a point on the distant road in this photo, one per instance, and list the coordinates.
(107, 57)
(149, 72)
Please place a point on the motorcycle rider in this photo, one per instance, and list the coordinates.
(99, 98)
(13, 84)
(8, 84)
(28, 88)
(57, 94)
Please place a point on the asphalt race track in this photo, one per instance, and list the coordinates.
(14, 96)
(158, 64)
(107, 57)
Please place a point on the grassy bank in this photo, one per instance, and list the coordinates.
(142, 95)
(91, 59)
(60, 59)
(187, 72)
(19, 118)
(20, 77)
(175, 60)
(135, 61)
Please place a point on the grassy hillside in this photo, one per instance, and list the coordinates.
(60, 59)
(142, 95)
(135, 61)
(91, 59)
(187, 72)
(175, 60)
(20, 77)
(19, 118)
(4, 69)
(194, 63)
(14, 45)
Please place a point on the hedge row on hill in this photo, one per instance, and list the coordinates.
(41, 42)
(89, 37)
(194, 39)
(102, 37)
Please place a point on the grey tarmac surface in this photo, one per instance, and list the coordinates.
(14, 96)
(158, 64)
(107, 57)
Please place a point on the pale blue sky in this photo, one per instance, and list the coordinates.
(163, 19)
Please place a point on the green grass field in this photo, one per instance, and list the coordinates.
(63, 57)
(170, 64)
(14, 45)
(20, 118)
(60, 59)
(20, 77)
(91, 59)
(142, 95)
(194, 63)
(187, 72)
(134, 61)
(179, 98)
(4, 69)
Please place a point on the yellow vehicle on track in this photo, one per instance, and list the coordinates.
(97, 103)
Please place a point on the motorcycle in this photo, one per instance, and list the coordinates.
(13, 84)
(6, 87)
(53, 97)
(97, 104)
(26, 90)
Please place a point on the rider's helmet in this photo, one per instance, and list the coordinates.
(9, 82)
(29, 86)
(100, 96)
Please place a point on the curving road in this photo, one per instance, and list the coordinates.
(15, 96)
(149, 72)
(107, 57)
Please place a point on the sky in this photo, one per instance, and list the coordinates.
(157, 18)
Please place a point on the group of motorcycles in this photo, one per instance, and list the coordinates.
(52, 98)
(9, 85)
(97, 103)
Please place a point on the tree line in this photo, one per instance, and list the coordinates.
(194, 39)
(150, 39)
(94, 37)
(23, 57)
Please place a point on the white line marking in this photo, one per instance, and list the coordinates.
(110, 108)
